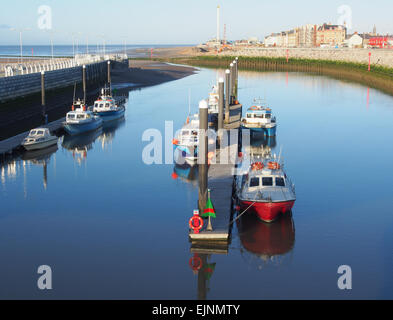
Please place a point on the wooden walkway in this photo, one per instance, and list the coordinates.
(8, 145)
(220, 183)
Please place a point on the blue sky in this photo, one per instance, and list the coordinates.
(179, 22)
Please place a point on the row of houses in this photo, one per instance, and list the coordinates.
(326, 35)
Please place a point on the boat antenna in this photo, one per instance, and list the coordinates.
(279, 156)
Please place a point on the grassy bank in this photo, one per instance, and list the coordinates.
(379, 77)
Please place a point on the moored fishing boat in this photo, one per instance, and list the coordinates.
(187, 141)
(39, 138)
(259, 119)
(81, 120)
(266, 189)
(106, 107)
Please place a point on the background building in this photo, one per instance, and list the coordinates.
(330, 35)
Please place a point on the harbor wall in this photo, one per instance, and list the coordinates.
(378, 77)
(24, 85)
(381, 57)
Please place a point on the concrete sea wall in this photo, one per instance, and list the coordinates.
(24, 85)
(381, 57)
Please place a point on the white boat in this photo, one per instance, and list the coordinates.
(106, 107)
(259, 119)
(187, 141)
(213, 106)
(39, 138)
(81, 120)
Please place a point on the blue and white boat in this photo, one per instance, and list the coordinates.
(259, 119)
(81, 120)
(187, 141)
(106, 107)
(213, 106)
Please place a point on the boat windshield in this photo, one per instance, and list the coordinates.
(80, 116)
(280, 182)
(258, 115)
(268, 115)
(33, 132)
(254, 182)
(71, 116)
(40, 132)
(250, 115)
(107, 105)
(267, 181)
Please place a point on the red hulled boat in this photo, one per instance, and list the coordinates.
(266, 189)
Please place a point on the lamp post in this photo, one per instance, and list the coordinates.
(20, 40)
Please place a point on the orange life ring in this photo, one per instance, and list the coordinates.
(196, 223)
(254, 108)
(272, 165)
(195, 262)
(257, 166)
(175, 142)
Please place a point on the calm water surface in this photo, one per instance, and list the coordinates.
(112, 227)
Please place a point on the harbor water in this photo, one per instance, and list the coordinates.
(112, 227)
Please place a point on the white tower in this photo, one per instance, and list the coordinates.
(218, 24)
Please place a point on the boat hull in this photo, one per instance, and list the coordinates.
(40, 145)
(212, 119)
(186, 154)
(268, 131)
(107, 116)
(268, 211)
(78, 128)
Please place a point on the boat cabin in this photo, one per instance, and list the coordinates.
(78, 115)
(38, 134)
(104, 103)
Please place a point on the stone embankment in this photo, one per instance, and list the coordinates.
(382, 57)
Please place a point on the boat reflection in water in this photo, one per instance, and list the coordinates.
(268, 243)
(79, 145)
(40, 158)
(108, 132)
(186, 173)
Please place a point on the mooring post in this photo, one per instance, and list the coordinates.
(44, 115)
(202, 154)
(221, 103)
(237, 78)
(227, 93)
(232, 77)
(109, 73)
(84, 83)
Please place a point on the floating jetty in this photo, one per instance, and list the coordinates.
(219, 177)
